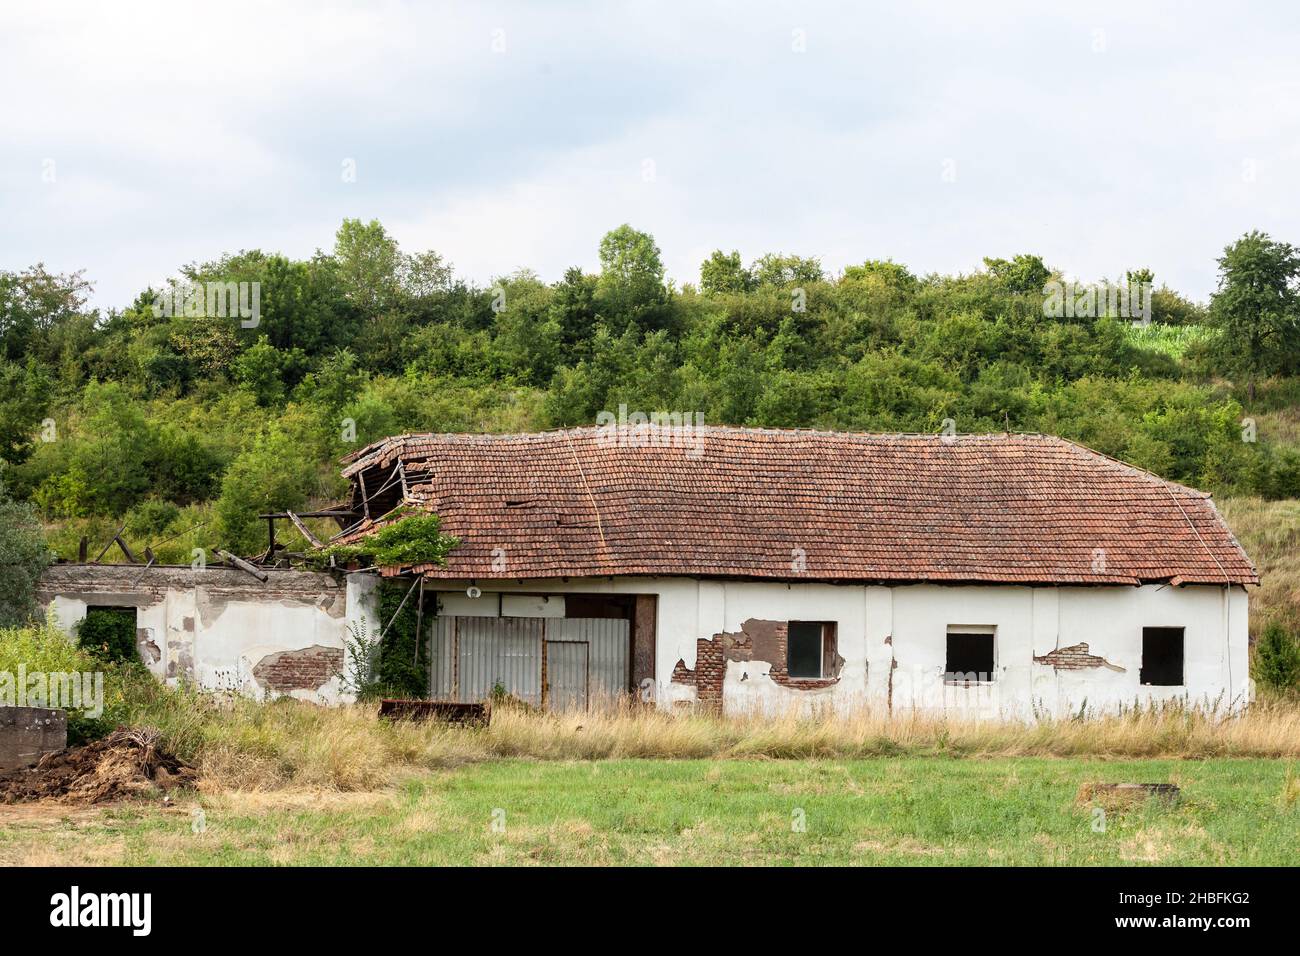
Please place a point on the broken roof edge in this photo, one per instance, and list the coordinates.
(363, 458)
(433, 573)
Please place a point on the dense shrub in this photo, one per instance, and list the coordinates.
(23, 556)
(1277, 659)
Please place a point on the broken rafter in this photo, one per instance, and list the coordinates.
(136, 583)
(419, 623)
(243, 565)
(116, 537)
(365, 497)
(417, 581)
(306, 532)
(121, 542)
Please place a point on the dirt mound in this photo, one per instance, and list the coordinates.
(126, 763)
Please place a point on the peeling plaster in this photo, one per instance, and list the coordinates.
(1076, 657)
(147, 646)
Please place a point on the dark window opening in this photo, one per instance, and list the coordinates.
(1162, 656)
(109, 633)
(969, 659)
(810, 648)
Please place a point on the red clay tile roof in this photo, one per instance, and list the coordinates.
(803, 505)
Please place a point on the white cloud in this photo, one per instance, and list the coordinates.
(182, 131)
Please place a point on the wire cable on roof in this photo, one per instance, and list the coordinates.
(600, 529)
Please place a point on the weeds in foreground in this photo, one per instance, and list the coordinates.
(240, 744)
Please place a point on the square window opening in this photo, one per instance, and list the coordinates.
(810, 648)
(109, 632)
(970, 657)
(1162, 657)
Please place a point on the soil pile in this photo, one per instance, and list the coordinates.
(126, 763)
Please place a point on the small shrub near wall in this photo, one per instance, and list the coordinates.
(1277, 660)
(403, 670)
(109, 634)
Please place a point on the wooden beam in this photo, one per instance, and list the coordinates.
(81, 549)
(306, 532)
(243, 565)
(125, 548)
(419, 622)
(110, 543)
(136, 583)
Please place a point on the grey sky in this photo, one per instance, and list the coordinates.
(1102, 136)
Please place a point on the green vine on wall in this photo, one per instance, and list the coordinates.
(410, 540)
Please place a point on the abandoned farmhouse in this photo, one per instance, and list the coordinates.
(735, 568)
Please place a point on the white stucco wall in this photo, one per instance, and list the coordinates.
(214, 626)
(908, 626)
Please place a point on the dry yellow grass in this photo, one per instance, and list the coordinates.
(1270, 533)
(248, 746)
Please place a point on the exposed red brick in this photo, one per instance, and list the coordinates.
(1074, 657)
(305, 669)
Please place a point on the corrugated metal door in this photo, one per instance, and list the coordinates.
(470, 656)
(473, 656)
(608, 661)
(566, 675)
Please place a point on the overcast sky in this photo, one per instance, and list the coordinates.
(137, 137)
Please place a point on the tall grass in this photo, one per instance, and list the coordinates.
(240, 744)
(1171, 340)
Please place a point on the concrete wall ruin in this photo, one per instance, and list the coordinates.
(223, 629)
(29, 733)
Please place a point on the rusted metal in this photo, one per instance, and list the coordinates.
(451, 712)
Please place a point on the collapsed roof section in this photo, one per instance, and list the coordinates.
(715, 501)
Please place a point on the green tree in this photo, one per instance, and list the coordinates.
(1024, 274)
(1255, 305)
(573, 307)
(631, 290)
(1277, 659)
(369, 264)
(260, 369)
(23, 556)
(723, 274)
(780, 270)
(25, 393)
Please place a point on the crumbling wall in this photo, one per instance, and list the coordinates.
(1075, 657)
(29, 733)
(757, 641)
(222, 628)
(306, 669)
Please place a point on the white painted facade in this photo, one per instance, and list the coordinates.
(907, 627)
(214, 626)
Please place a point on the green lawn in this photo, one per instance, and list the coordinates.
(884, 811)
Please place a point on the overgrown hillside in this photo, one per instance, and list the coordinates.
(184, 425)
